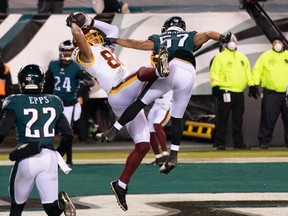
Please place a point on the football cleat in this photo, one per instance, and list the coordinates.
(170, 164)
(66, 204)
(163, 64)
(107, 136)
(120, 194)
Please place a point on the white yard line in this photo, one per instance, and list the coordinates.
(145, 205)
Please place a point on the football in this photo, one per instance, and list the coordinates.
(80, 18)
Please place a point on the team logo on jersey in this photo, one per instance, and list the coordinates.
(22, 146)
(6, 102)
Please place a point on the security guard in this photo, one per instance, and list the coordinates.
(230, 73)
(271, 69)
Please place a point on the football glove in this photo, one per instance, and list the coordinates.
(108, 41)
(225, 38)
(80, 19)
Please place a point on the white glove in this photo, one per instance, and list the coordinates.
(88, 21)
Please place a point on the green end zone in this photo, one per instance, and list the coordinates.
(93, 179)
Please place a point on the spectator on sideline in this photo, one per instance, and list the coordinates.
(271, 70)
(230, 74)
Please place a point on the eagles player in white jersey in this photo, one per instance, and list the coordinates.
(121, 87)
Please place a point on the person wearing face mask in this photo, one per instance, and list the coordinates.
(230, 74)
(271, 70)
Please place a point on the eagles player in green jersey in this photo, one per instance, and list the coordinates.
(63, 79)
(36, 117)
(180, 76)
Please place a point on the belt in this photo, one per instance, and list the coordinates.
(127, 81)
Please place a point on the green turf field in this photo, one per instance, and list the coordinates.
(187, 152)
(212, 177)
(93, 179)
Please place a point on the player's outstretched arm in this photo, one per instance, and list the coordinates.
(81, 43)
(201, 38)
(131, 43)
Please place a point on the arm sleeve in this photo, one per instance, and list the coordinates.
(6, 123)
(111, 31)
(49, 83)
(65, 132)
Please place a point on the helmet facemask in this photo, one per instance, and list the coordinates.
(92, 37)
(65, 50)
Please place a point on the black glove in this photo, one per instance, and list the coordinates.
(216, 92)
(109, 41)
(253, 92)
(88, 83)
(70, 19)
(225, 38)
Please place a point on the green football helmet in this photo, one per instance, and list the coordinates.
(174, 23)
(31, 79)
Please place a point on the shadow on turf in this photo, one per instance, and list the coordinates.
(207, 208)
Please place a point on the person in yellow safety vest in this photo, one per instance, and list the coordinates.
(271, 70)
(6, 86)
(230, 74)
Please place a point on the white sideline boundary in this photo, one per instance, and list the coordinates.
(145, 205)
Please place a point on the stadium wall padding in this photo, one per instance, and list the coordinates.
(35, 39)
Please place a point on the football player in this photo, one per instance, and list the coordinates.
(63, 79)
(180, 77)
(121, 86)
(36, 117)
